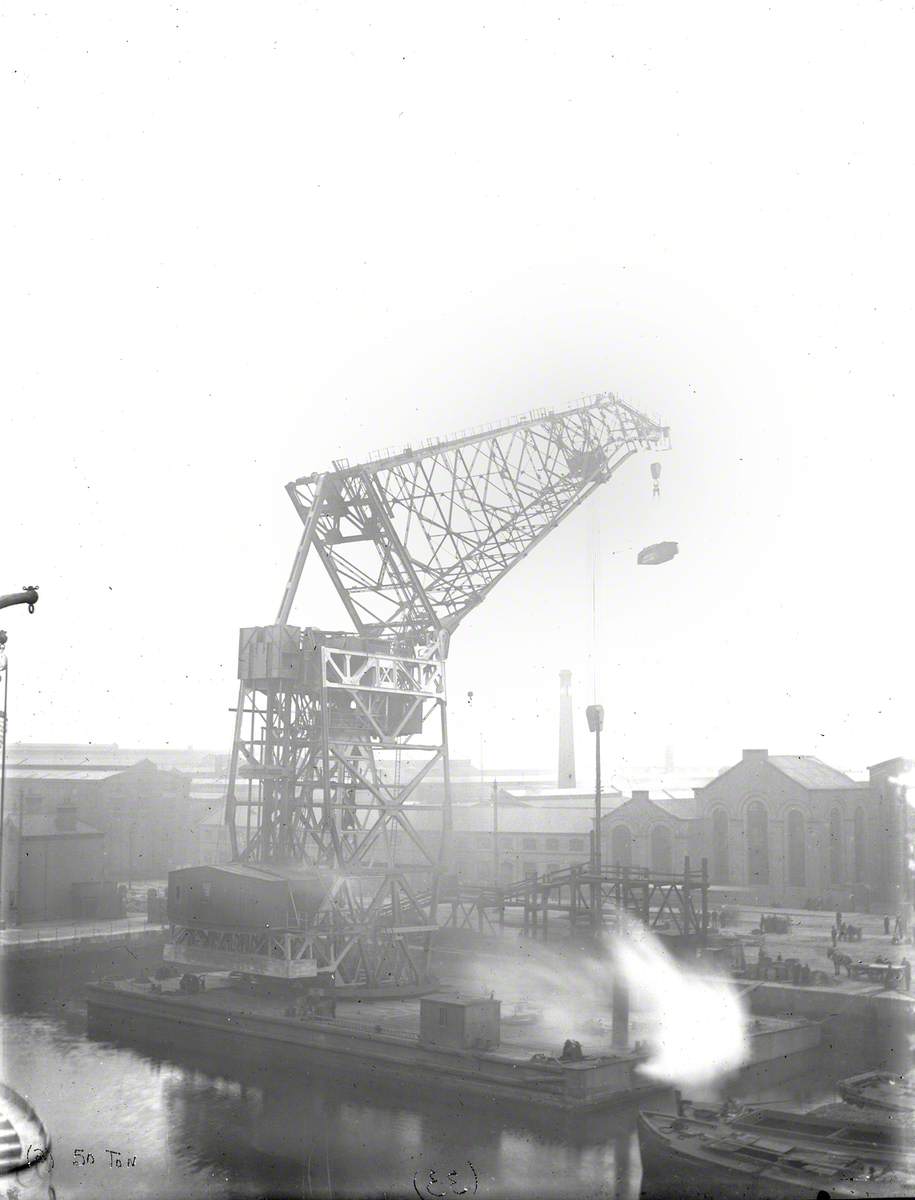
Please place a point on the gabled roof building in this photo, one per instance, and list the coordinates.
(778, 828)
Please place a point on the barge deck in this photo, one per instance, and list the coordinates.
(375, 1036)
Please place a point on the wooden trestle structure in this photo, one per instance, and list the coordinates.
(674, 903)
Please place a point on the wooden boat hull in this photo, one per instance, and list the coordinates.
(877, 1142)
(667, 1174)
(693, 1159)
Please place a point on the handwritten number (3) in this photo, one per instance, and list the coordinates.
(433, 1179)
(452, 1180)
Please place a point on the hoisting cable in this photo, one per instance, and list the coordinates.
(595, 631)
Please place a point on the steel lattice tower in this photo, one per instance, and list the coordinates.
(335, 731)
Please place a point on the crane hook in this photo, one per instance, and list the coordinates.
(656, 475)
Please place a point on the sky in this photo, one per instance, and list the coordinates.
(241, 241)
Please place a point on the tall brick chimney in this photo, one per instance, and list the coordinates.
(566, 733)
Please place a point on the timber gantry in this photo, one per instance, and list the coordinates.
(675, 903)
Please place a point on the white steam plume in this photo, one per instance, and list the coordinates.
(699, 1026)
(694, 1027)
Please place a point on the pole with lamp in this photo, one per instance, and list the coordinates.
(650, 556)
(496, 881)
(907, 905)
(29, 596)
(4, 668)
(595, 715)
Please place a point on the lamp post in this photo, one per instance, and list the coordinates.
(495, 834)
(29, 596)
(595, 715)
(130, 853)
(906, 889)
(4, 667)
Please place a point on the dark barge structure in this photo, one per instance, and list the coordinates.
(445, 1040)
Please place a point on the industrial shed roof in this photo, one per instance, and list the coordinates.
(811, 773)
(54, 764)
(243, 869)
(565, 796)
(53, 773)
(669, 783)
(107, 755)
(477, 818)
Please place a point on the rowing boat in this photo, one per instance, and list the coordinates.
(687, 1157)
(851, 1130)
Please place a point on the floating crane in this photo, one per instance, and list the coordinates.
(335, 731)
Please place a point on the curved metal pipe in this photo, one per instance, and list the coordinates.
(29, 596)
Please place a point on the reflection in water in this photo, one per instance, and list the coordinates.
(268, 1130)
(361, 1138)
(203, 1126)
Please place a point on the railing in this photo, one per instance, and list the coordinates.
(428, 443)
(28, 935)
(584, 873)
(534, 414)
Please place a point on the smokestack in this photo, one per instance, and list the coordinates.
(620, 1033)
(566, 736)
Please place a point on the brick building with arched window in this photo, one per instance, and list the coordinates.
(778, 828)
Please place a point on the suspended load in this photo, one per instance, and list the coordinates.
(660, 552)
(656, 476)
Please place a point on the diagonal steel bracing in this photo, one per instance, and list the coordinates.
(335, 731)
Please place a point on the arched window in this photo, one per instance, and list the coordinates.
(720, 864)
(757, 844)
(797, 850)
(860, 846)
(662, 856)
(621, 846)
(836, 851)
